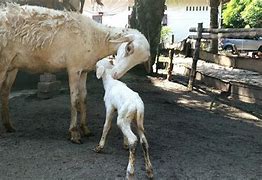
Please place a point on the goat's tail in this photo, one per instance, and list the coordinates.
(140, 120)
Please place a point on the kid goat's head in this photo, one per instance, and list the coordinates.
(102, 66)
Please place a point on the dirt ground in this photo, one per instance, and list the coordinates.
(187, 140)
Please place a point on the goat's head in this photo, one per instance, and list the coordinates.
(134, 51)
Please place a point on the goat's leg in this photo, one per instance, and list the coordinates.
(144, 144)
(125, 127)
(74, 80)
(107, 126)
(83, 119)
(5, 91)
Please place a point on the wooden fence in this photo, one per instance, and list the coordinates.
(207, 33)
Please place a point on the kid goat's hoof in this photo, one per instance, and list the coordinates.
(98, 149)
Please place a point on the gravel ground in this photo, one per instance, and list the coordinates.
(187, 140)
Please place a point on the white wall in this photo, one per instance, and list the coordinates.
(180, 20)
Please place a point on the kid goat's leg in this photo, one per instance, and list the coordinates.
(125, 126)
(5, 91)
(107, 126)
(144, 144)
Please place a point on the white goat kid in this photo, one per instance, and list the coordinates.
(130, 108)
(38, 40)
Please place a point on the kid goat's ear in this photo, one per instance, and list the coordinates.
(99, 71)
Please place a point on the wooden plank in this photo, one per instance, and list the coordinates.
(228, 35)
(213, 82)
(249, 64)
(246, 93)
(246, 90)
(235, 62)
(228, 30)
(208, 80)
(218, 59)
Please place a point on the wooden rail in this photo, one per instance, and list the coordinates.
(214, 34)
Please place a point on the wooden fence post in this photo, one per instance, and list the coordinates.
(171, 64)
(195, 57)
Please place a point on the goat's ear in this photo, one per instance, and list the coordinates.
(129, 48)
(100, 71)
(126, 38)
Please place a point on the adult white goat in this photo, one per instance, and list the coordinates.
(130, 108)
(37, 39)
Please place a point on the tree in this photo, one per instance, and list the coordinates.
(241, 13)
(147, 17)
(252, 14)
(214, 4)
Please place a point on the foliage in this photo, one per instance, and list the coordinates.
(252, 14)
(240, 13)
(165, 33)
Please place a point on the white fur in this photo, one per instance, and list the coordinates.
(130, 108)
(41, 40)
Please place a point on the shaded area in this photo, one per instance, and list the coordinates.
(187, 141)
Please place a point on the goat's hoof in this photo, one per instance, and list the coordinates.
(75, 137)
(98, 149)
(85, 131)
(76, 141)
(150, 174)
(130, 176)
(9, 128)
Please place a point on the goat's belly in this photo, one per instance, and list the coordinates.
(38, 64)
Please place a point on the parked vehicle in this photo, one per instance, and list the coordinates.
(245, 44)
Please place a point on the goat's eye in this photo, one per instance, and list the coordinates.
(129, 49)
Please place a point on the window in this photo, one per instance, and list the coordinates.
(187, 8)
(193, 8)
(206, 8)
(197, 8)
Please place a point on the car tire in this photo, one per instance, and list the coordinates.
(229, 49)
(260, 49)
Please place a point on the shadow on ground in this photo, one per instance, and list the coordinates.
(187, 140)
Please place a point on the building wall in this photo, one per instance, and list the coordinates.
(181, 15)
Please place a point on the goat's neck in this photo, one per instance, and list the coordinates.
(108, 81)
(111, 33)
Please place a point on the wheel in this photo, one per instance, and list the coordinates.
(260, 49)
(229, 49)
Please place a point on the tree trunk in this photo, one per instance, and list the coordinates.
(214, 23)
(147, 17)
